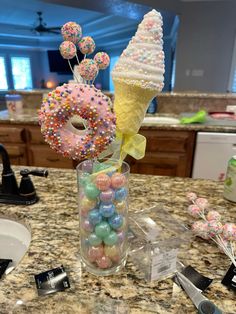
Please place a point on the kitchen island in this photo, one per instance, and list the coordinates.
(54, 226)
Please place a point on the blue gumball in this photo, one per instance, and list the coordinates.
(120, 194)
(107, 210)
(116, 221)
(94, 217)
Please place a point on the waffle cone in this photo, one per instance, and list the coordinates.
(130, 105)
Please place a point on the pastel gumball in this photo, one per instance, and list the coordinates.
(120, 194)
(214, 228)
(102, 59)
(91, 191)
(107, 210)
(116, 221)
(121, 206)
(107, 196)
(111, 239)
(87, 166)
(121, 236)
(94, 217)
(67, 50)
(202, 202)
(95, 252)
(194, 210)
(87, 204)
(102, 229)
(102, 181)
(88, 69)
(104, 262)
(200, 228)
(113, 252)
(118, 180)
(192, 196)
(87, 45)
(229, 231)
(87, 226)
(213, 215)
(94, 240)
(84, 179)
(71, 31)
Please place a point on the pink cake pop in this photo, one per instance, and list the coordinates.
(67, 49)
(229, 231)
(214, 228)
(88, 69)
(213, 215)
(86, 45)
(102, 59)
(71, 31)
(194, 210)
(200, 228)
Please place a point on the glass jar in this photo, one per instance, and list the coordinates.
(103, 215)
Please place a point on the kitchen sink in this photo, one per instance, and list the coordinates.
(15, 240)
(161, 120)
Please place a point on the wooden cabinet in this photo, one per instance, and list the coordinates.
(168, 153)
(14, 140)
(40, 154)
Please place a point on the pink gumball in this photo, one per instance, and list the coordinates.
(202, 202)
(192, 196)
(95, 252)
(194, 210)
(102, 182)
(107, 196)
(118, 180)
(104, 262)
(87, 226)
(229, 231)
(121, 236)
(213, 215)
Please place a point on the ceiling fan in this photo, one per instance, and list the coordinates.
(42, 28)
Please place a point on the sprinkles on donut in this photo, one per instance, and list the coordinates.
(90, 104)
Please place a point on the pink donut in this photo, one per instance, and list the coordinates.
(81, 100)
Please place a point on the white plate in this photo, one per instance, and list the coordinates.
(161, 120)
(14, 241)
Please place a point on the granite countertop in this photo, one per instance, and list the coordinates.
(29, 117)
(55, 241)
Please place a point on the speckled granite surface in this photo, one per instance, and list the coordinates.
(55, 241)
(30, 118)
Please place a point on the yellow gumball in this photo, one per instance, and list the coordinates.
(120, 206)
(113, 252)
(87, 204)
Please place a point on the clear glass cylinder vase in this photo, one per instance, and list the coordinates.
(103, 214)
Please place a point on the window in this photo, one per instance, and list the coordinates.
(112, 63)
(21, 73)
(3, 75)
(232, 78)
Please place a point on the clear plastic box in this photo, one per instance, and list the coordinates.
(156, 240)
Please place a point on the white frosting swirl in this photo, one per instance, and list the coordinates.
(142, 62)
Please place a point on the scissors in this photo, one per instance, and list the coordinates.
(203, 305)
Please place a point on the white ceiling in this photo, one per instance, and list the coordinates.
(115, 28)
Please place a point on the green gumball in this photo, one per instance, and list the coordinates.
(111, 239)
(91, 191)
(102, 229)
(94, 240)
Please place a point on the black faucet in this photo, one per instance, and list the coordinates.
(9, 191)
